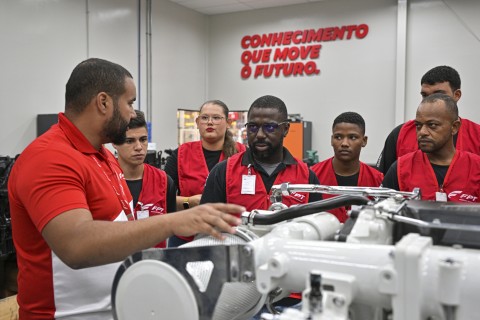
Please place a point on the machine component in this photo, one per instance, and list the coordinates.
(221, 277)
(6, 241)
(278, 190)
(413, 280)
(315, 303)
(387, 221)
(447, 223)
(215, 281)
(381, 270)
(264, 217)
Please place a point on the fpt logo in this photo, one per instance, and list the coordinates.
(458, 195)
(153, 208)
(298, 196)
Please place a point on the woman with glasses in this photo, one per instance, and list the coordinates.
(190, 164)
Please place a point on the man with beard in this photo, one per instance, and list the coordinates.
(71, 208)
(440, 171)
(247, 177)
(345, 168)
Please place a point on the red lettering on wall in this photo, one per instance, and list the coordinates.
(295, 52)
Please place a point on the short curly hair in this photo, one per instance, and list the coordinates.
(442, 74)
(268, 101)
(350, 117)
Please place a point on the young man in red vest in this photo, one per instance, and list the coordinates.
(402, 139)
(442, 172)
(153, 191)
(345, 168)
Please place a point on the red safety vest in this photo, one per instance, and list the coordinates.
(461, 184)
(153, 197)
(192, 167)
(367, 177)
(295, 174)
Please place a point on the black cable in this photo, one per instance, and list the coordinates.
(309, 208)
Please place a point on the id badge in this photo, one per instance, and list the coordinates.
(248, 184)
(441, 196)
(143, 214)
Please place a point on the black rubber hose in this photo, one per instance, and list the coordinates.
(309, 208)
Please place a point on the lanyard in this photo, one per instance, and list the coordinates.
(119, 191)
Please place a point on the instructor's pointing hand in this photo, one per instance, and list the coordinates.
(209, 218)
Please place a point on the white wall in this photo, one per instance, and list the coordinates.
(356, 75)
(197, 57)
(37, 56)
(180, 49)
(42, 41)
(444, 33)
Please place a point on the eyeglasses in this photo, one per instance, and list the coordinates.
(206, 119)
(266, 127)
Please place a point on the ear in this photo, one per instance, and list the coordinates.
(457, 95)
(102, 101)
(287, 127)
(364, 142)
(229, 122)
(456, 126)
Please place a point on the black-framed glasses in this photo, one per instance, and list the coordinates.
(269, 127)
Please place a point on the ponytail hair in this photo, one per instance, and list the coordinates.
(229, 145)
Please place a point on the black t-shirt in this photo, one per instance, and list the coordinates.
(135, 187)
(216, 186)
(171, 166)
(389, 152)
(347, 181)
(391, 178)
(440, 173)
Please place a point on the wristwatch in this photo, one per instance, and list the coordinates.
(186, 205)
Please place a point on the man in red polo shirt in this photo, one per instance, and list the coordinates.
(72, 220)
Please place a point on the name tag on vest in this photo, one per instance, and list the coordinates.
(441, 196)
(142, 214)
(248, 184)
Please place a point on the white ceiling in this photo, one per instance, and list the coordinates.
(211, 7)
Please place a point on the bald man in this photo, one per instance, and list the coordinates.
(440, 171)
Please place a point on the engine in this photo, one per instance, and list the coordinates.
(397, 258)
